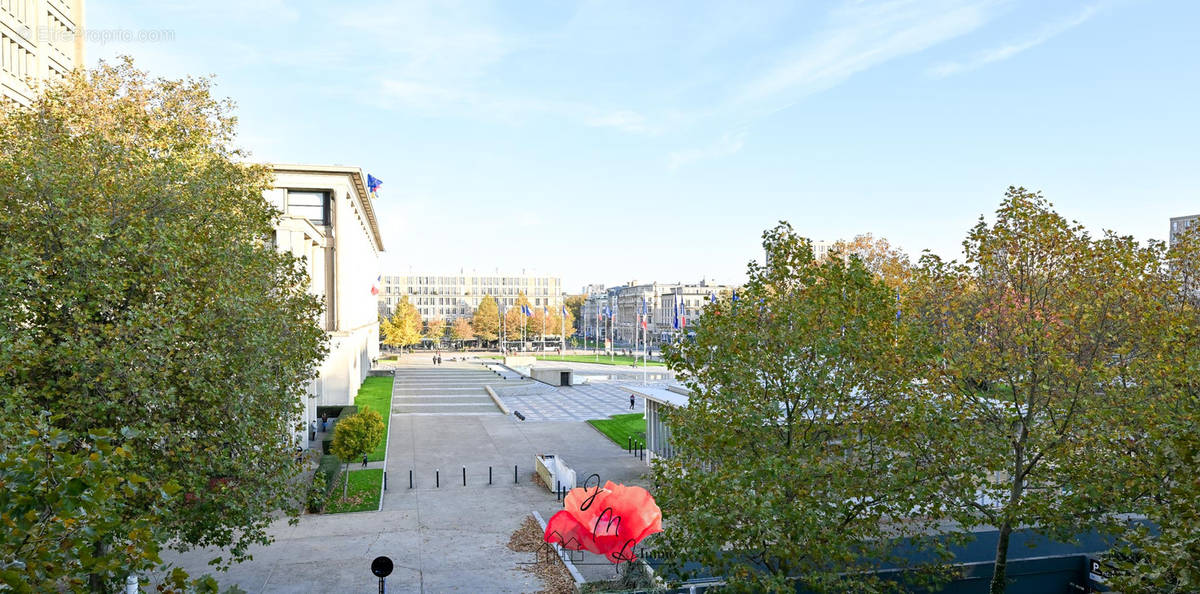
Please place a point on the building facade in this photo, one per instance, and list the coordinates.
(1181, 224)
(452, 297)
(329, 223)
(625, 304)
(41, 41)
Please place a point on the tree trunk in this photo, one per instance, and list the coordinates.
(999, 574)
(96, 582)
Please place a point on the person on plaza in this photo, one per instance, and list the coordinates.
(364, 460)
(324, 422)
(631, 402)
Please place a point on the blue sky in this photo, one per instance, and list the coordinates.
(607, 141)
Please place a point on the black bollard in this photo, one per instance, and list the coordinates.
(629, 444)
(557, 490)
(410, 479)
(464, 476)
(489, 475)
(385, 480)
(515, 474)
(437, 479)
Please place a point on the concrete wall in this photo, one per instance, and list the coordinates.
(552, 375)
(342, 260)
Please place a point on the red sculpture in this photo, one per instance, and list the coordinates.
(608, 521)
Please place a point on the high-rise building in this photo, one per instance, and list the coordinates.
(329, 224)
(449, 297)
(41, 41)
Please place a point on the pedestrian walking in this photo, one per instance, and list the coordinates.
(324, 422)
(435, 359)
(364, 460)
(631, 402)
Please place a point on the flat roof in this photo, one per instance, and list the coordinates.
(666, 396)
(360, 184)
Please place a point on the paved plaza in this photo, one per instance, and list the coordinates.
(447, 389)
(540, 402)
(442, 537)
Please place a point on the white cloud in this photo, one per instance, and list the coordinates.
(624, 120)
(728, 144)
(862, 35)
(1009, 50)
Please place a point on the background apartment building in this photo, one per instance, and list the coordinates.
(41, 41)
(661, 299)
(453, 297)
(329, 223)
(1181, 224)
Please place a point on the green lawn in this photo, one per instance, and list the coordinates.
(605, 359)
(376, 394)
(363, 494)
(619, 428)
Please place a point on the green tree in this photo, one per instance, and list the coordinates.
(59, 496)
(461, 330)
(486, 322)
(354, 438)
(404, 327)
(1036, 338)
(1163, 474)
(142, 296)
(789, 454)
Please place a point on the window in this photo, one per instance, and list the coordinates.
(311, 205)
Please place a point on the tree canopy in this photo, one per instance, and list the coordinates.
(461, 330)
(143, 301)
(1038, 340)
(790, 453)
(356, 437)
(404, 326)
(486, 321)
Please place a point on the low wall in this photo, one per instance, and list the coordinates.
(519, 360)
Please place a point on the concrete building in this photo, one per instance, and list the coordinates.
(41, 41)
(625, 303)
(450, 297)
(659, 400)
(1181, 224)
(329, 223)
(690, 300)
(821, 248)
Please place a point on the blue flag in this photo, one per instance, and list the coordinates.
(712, 297)
(676, 314)
(373, 183)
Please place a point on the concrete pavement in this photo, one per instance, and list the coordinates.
(442, 539)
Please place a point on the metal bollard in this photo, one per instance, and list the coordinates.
(410, 479)
(629, 443)
(464, 476)
(385, 480)
(437, 479)
(489, 475)
(557, 490)
(515, 474)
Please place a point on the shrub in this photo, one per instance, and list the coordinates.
(318, 493)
